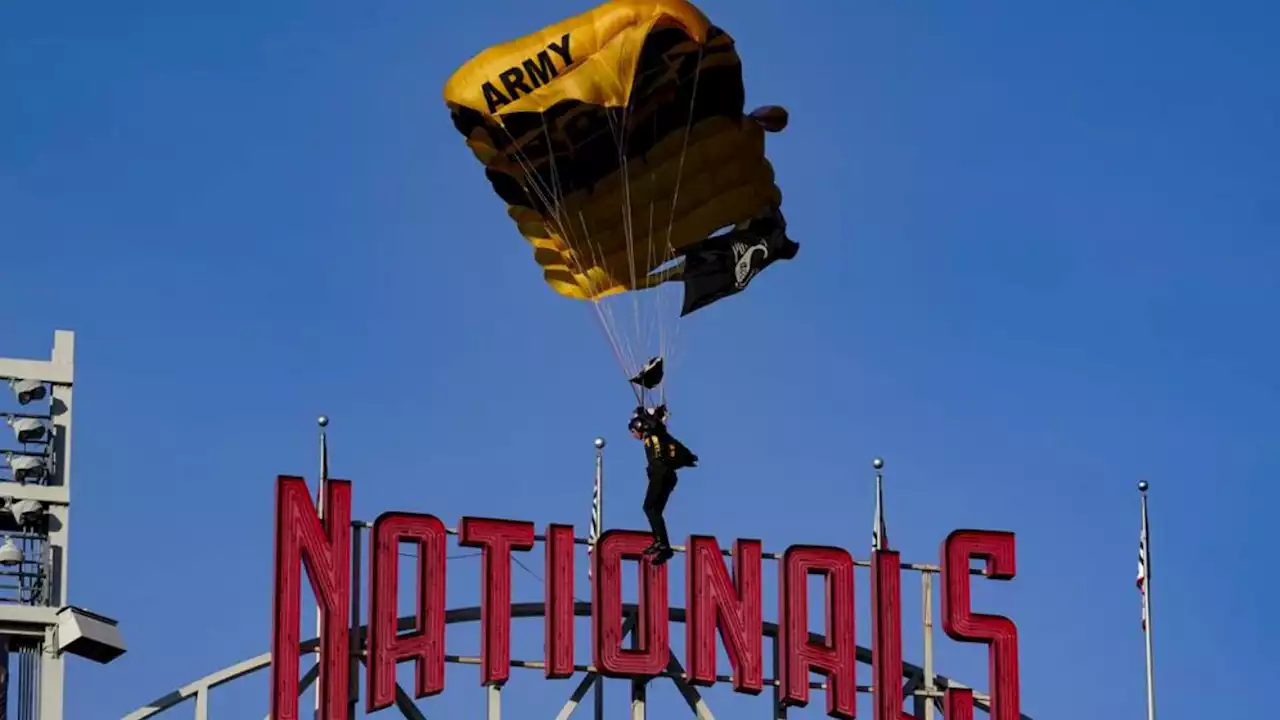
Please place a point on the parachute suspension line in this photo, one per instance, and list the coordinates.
(656, 324)
(659, 319)
(622, 350)
(551, 198)
(658, 291)
(619, 128)
(604, 311)
(675, 198)
(618, 342)
(628, 369)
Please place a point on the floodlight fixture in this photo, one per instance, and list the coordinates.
(27, 467)
(28, 391)
(26, 512)
(10, 553)
(28, 429)
(89, 635)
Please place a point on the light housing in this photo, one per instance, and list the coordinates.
(29, 429)
(89, 635)
(10, 553)
(25, 512)
(28, 391)
(27, 468)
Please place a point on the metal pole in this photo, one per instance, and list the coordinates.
(1146, 604)
(926, 585)
(779, 710)
(879, 534)
(357, 647)
(597, 502)
(597, 526)
(493, 702)
(323, 422)
(4, 678)
(639, 688)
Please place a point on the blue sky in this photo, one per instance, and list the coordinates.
(1039, 262)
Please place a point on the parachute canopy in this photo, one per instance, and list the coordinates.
(617, 139)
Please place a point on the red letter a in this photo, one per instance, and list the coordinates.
(836, 656)
(424, 644)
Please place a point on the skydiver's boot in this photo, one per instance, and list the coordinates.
(664, 554)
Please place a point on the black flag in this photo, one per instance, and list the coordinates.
(724, 265)
(650, 375)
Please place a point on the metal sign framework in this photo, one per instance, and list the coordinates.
(317, 537)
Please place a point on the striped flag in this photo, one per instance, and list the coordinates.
(595, 524)
(595, 510)
(1142, 574)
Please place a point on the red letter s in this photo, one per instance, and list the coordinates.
(997, 632)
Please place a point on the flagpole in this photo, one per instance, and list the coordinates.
(879, 534)
(1146, 603)
(597, 527)
(323, 422)
(597, 502)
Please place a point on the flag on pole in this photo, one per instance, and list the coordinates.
(1143, 582)
(1142, 573)
(595, 518)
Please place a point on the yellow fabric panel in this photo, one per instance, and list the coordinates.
(533, 155)
(604, 43)
(584, 252)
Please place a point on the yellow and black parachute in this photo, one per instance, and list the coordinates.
(618, 141)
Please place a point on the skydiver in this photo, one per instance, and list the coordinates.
(664, 455)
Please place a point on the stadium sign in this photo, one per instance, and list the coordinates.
(722, 602)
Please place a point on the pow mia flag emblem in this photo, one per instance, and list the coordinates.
(748, 260)
(724, 265)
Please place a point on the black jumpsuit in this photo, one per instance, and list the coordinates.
(664, 455)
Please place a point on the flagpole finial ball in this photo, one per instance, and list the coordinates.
(599, 443)
(322, 421)
(1143, 485)
(878, 463)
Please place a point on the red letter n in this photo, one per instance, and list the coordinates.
(997, 632)
(424, 644)
(325, 550)
(731, 606)
(497, 538)
(652, 625)
(836, 655)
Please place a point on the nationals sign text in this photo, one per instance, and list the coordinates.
(720, 603)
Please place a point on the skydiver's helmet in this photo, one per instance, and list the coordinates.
(636, 425)
(647, 420)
